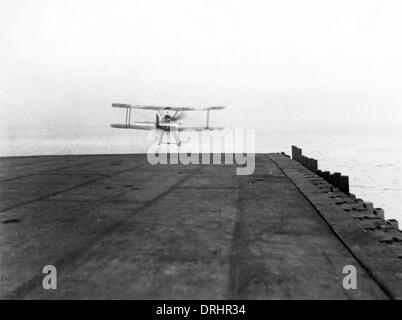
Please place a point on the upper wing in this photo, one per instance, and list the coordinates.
(135, 125)
(129, 106)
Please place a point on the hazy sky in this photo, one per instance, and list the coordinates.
(276, 64)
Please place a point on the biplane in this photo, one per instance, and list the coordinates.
(166, 120)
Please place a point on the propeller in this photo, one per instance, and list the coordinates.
(180, 116)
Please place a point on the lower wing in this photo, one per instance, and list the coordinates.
(200, 128)
(135, 125)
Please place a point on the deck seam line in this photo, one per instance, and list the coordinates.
(68, 189)
(63, 262)
(48, 171)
